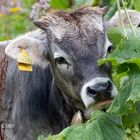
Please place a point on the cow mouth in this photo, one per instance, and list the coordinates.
(82, 116)
(103, 105)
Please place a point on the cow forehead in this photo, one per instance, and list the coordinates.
(81, 32)
(82, 44)
(79, 23)
(74, 25)
(78, 49)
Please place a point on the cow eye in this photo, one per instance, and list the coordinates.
(60, 60)
(110, 49)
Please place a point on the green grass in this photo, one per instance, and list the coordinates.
(17, 23)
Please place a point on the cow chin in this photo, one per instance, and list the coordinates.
(99, 96)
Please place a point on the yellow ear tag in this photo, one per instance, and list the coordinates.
(24, 61)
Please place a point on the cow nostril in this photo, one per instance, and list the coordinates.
(109, 85)
(104, 86)
(91, 91)
(99, 88)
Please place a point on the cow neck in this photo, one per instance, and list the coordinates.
(61, 111)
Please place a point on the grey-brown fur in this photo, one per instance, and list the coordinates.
(45, 100)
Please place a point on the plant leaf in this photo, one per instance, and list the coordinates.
(79, 3)
(132, 118)
(127, 51)
(137, 4)
(60, 4)
(128, 95)
(101, 126)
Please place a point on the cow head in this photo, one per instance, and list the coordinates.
(75, 43)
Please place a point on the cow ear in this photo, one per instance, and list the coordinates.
(54, 23)
(115, 20)
(102, 10)
(35, 48)
(42, 23)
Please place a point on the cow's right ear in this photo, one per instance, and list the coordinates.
(55, 24)
(35, 48)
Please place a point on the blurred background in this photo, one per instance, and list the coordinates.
(15, 14)
(14, 18)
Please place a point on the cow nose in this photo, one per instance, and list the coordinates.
(99, 89)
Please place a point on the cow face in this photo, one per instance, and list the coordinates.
(76, 42)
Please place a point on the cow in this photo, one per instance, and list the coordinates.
(66, 77)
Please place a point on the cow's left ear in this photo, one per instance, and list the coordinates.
(115, 20)
(35, 48)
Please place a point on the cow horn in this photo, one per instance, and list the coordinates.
(41, 23)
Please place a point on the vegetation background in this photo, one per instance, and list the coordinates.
(14, 14)
(14, 18)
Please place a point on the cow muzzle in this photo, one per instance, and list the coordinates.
(99, 91)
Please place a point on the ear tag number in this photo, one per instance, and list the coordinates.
(24, 61)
